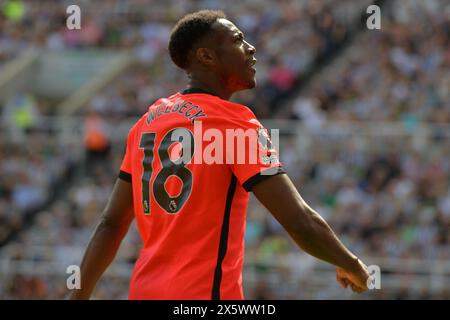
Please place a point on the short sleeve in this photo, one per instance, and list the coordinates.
(125, 167)
(254, 155)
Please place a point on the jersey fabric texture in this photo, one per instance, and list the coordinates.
(191, 214)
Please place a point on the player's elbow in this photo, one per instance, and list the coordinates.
(306, 223)
(115, 228)
(109, 220)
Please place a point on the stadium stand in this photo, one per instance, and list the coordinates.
(365, 140)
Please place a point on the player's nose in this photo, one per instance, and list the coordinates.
(250, 48)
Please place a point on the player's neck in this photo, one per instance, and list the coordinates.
(212, 85)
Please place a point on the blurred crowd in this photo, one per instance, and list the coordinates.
(29, 169)
(289, 35)
(386, 199)
(61, 232)
(385, 196)
(400, 73)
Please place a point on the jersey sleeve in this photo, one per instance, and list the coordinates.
(261, 156)
(125, 167)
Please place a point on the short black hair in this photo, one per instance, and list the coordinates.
(188, 31)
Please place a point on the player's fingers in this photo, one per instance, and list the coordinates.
(356, 289)
(341, 280)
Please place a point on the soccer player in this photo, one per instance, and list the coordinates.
(191, 214)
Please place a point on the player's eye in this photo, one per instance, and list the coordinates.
(239, 38)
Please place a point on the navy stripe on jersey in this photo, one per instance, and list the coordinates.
(223, 239)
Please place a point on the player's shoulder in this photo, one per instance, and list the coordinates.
(143, 120)
(228, 114)
(211, 101)
(222, 108)
(239, 114)
(136, 126)
(242, 111)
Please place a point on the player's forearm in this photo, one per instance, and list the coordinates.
(279, 195)
(99, 254)
(315, 236)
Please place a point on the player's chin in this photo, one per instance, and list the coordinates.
(248, 78)
(246, 81)
(250, 82)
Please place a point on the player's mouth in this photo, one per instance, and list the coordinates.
(252, 64)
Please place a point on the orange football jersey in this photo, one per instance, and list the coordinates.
(190, 193)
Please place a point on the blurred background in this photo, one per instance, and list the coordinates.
(365, 134)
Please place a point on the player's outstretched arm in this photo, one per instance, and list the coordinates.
(309, 230)
(103, 246)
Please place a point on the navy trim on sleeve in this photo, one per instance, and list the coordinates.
(125, 176)
(257, 178)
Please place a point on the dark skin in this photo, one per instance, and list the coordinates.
(222, 64)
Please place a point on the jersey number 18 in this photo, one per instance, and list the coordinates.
(169, 167)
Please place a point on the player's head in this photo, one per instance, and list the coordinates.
(207, 41)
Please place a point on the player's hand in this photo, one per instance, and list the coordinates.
(356, 279)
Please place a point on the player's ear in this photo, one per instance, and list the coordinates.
(205, 56)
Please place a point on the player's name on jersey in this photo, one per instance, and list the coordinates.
(185, 108)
